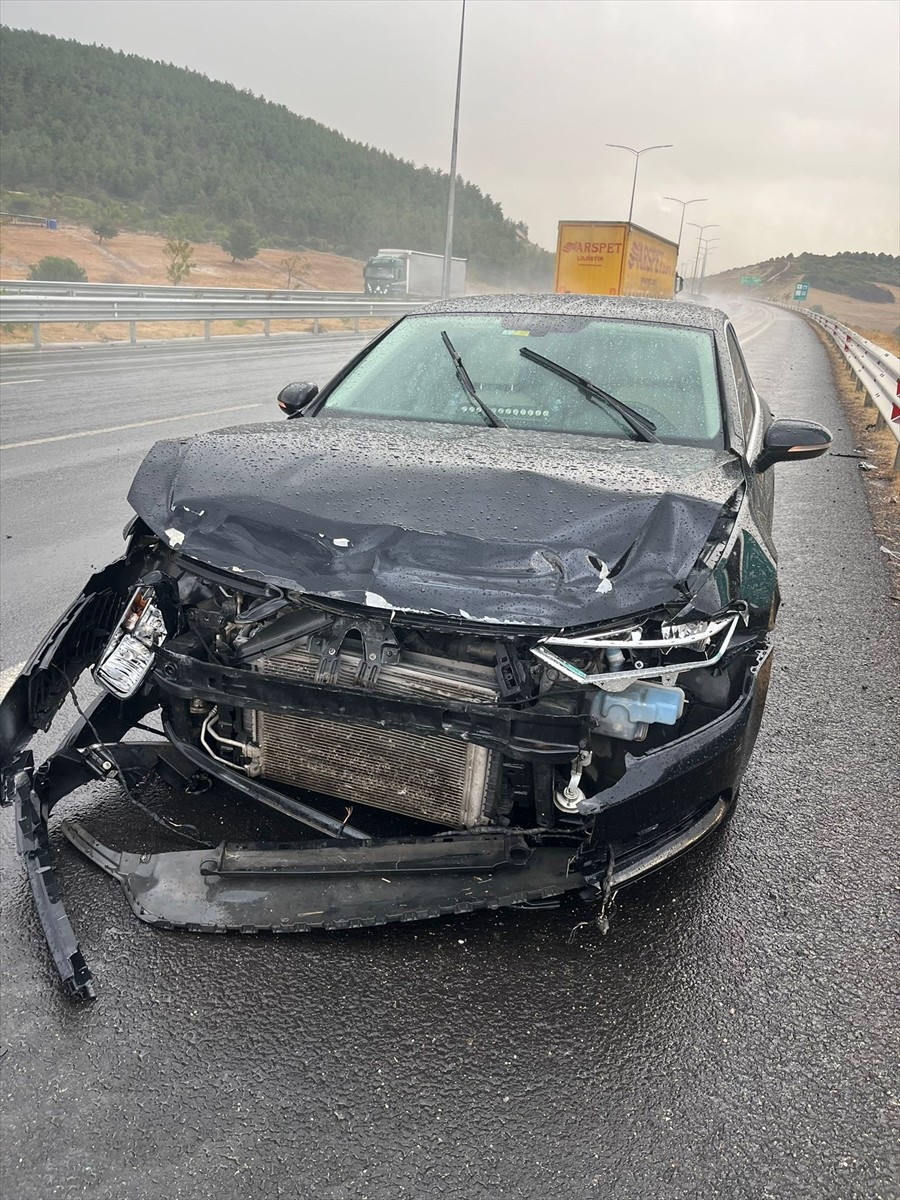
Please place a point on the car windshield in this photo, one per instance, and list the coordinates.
(666, 373)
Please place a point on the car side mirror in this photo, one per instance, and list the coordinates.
(788, 441)
(293, 398)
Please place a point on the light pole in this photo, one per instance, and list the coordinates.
(684, 204)
(703, 229)
(706, 244)
(448, 244)
(637, 159)
(711, 244)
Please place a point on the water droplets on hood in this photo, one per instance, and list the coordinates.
(455, 528)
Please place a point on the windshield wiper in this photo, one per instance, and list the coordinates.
(637, 422)
(468, 386)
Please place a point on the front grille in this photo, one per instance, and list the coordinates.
(430, 778)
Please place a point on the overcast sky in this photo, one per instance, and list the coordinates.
(785, 114)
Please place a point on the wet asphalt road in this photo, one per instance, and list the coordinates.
(732, 1036)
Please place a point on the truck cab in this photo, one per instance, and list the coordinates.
(385, 275)
(413, 274)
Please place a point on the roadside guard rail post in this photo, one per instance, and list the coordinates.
(40, 310)
(877, 370)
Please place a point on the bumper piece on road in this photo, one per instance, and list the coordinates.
(333, 885)
(33, 843)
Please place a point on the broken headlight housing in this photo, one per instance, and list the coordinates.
(711, 637)
(129, 653)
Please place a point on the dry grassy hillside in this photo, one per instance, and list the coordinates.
(139, 258)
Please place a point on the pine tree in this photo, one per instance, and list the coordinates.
(241, 241)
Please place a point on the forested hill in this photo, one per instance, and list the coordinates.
(858, 274)
(173, 148)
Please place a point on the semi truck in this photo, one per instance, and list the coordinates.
(413, 274)
(613, 258)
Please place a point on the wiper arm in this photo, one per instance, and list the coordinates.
(637, 422)
(469, 387)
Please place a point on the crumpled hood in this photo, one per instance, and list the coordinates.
(515, 526)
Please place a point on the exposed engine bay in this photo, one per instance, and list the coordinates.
(449, 765)
(611, 693)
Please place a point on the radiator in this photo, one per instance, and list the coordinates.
(428, 777)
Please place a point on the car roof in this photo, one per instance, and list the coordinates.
(626, 308)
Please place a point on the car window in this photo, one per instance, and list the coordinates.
(742, 380)
(664, 372)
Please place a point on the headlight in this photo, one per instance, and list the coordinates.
(129, 653)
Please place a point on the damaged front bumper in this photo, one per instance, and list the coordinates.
(666, 799)
(332, 885)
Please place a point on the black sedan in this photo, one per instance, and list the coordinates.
(488, 618)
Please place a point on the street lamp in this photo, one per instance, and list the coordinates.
(710, 244)
(637, 159)
(684, 204)
(703, 249)
(448, 244)
(703, 229)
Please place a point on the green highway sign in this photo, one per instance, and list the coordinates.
(801, 291)
(751, 280)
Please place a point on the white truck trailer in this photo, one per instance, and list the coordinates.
(412, 274)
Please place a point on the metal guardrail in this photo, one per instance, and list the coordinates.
(36, 287)
(877, 370)
(40, 310)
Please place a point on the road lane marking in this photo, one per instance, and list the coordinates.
(757, 331)
(9, 677)
(13, 382)
(62, 359)
(65, 437)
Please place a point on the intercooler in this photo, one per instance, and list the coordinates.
(431, 778)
